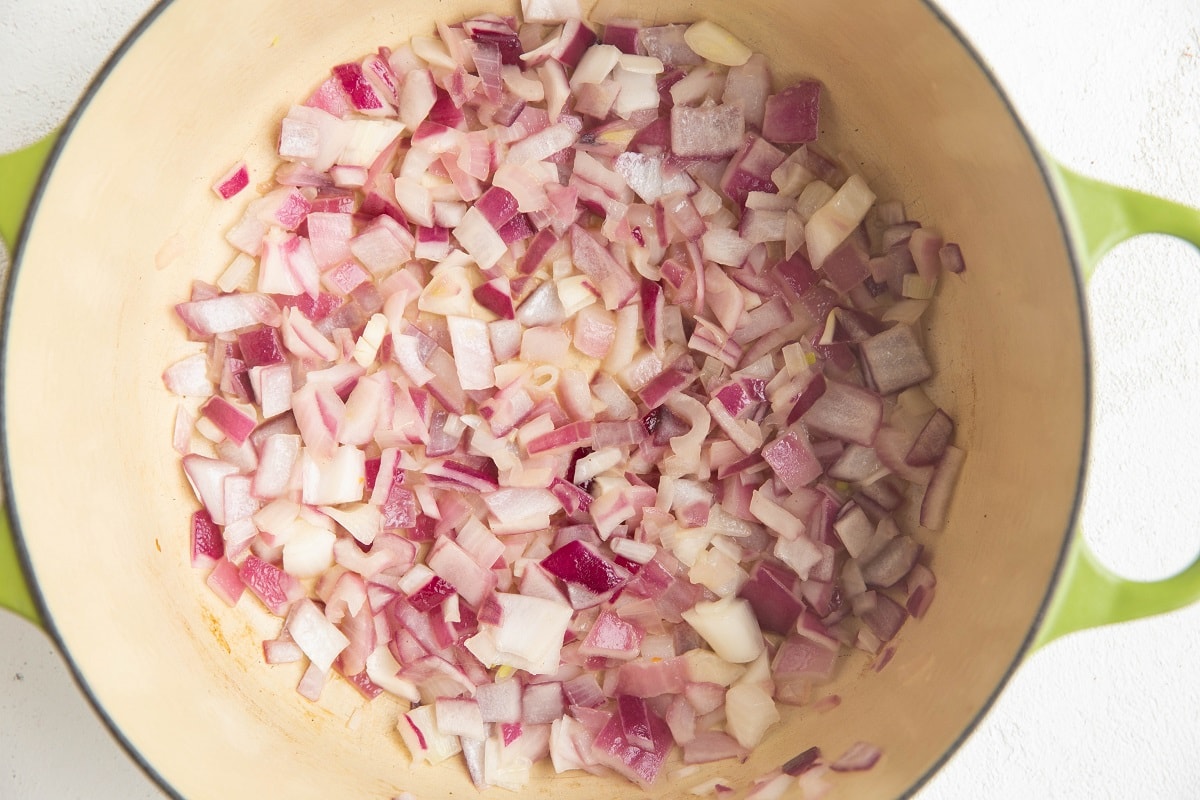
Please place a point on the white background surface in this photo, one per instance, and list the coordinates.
(1110, 87)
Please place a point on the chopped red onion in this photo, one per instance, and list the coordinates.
(859, 756)
(792, 116)
(936, 503)
(544, 415)
(233, 181)
(710, 131)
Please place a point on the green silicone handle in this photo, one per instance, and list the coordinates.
(1100, 216)
(19, 173)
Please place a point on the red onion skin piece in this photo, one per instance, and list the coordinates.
(498, 206)
(574, 500)
(655, 137)
(767, 318)
(399, 509)
(853, 325)
(920, 585)
(575, 434)
(314, 310)
(380, 73)
(584, 692)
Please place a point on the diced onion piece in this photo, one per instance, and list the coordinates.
(418, 729)
(729, 627)
(320, 640)
(529, 635)
(936, 503)
(232, 182)
(833, 222)
(716, 44)
(749, 712)
(550, 10)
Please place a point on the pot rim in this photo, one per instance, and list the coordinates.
(1058, 202)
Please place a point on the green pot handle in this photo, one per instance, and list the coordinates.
(19, 173)
(1101, 216)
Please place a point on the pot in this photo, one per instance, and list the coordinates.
(1010, 343)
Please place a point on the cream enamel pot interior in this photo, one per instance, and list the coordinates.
(124, 219)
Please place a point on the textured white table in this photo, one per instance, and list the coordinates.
(1110, 87)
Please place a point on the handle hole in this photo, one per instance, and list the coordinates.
(1141, 514)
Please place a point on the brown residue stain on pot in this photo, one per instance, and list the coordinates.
(214, 627)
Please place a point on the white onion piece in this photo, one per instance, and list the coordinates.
(550, 10)
(729, 627)
(188, 377)
(529, 635)
(716, 44)
(418, 729)
(595, 65)
(832, 223)
(749, 711)
(316, 636)
(639, 91)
